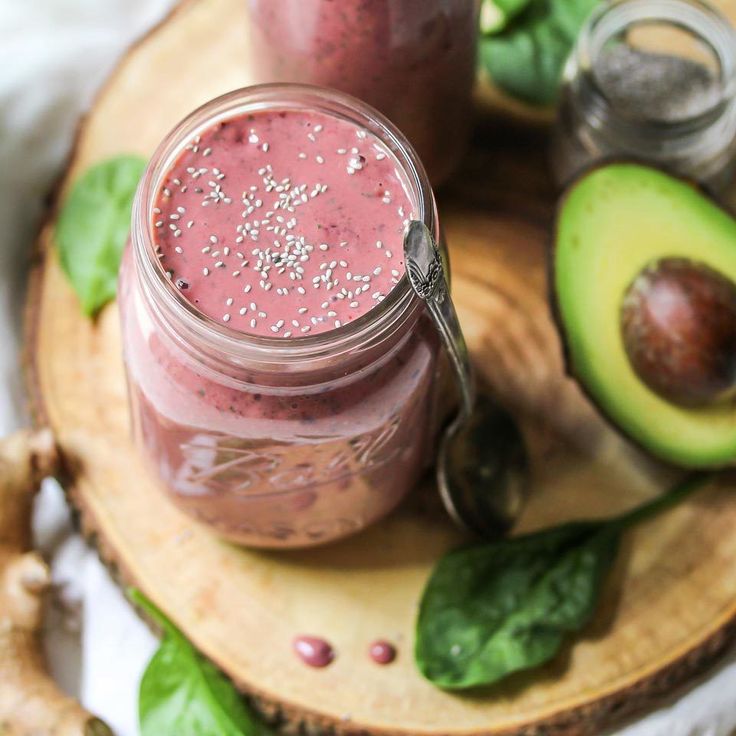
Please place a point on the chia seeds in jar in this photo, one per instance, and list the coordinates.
(281, 371)
(654, 80)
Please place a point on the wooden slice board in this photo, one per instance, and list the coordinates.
(669, 609)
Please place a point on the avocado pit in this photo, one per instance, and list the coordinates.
(678, 323)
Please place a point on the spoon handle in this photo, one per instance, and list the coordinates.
(427, 276)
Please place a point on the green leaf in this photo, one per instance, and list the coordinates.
(93, 227)
(496, 608)
(182, 694)
(526, 58)
(493, 609)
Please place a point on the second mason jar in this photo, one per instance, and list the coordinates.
(281, 370)
(414, 60)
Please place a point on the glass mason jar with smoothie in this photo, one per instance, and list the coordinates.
(414, 60)
(281, 370)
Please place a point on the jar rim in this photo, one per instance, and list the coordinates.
(699, 18)
(242, 347)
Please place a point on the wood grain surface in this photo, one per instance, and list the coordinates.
(670, 606)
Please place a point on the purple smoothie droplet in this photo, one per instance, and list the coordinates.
(382, 652)
(314, 651)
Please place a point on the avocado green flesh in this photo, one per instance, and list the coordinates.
(614, 222)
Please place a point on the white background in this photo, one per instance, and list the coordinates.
(53, 55)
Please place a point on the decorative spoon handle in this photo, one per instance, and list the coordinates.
(481, 490)
(427, 277)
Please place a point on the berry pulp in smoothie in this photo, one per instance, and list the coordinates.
(283, 224)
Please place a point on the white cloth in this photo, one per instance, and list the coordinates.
(53, 55)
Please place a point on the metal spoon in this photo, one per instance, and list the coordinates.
(482, 462)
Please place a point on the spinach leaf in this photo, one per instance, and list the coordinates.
(93, 227)
(182, 694)
(499, 607)
(527, 56)
(493, 609)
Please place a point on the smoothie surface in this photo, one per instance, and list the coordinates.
(283, 223)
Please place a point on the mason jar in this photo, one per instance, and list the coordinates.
(653, 80)
(414, 60)
(277, 442)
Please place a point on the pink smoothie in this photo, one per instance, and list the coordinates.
(283, 223)
(287, 224)
(414, 60)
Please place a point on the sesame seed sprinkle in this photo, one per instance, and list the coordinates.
(290, 210)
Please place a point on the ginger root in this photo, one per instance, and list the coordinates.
(30, 702)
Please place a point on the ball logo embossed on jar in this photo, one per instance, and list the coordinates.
(224, 464)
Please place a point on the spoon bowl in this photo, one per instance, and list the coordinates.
(482, 470)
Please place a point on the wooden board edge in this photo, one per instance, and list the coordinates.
(583, 720)
(29, 330)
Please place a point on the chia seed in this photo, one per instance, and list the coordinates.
(657, 87)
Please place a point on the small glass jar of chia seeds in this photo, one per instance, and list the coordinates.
(653, 80)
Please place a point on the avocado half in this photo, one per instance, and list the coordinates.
(612, 223)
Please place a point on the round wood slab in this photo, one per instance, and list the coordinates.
(669, 608)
